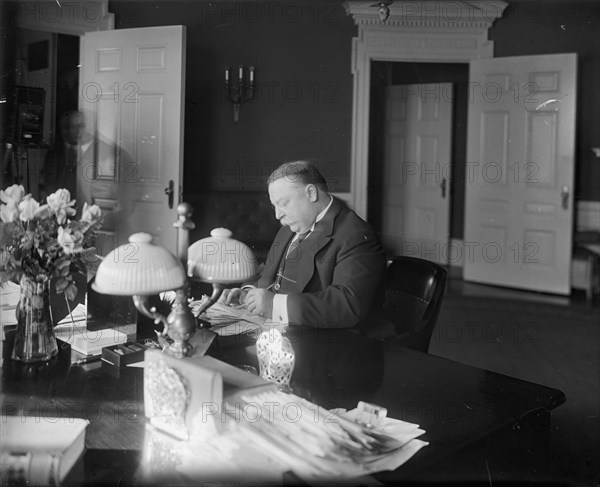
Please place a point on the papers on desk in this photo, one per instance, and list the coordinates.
(74, 330)
(318, 444)
(229, 320)
(269, 433)
(9, 298)
(77, 316)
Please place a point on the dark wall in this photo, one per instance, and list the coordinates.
(301, 51)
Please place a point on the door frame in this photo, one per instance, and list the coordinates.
(451, 33)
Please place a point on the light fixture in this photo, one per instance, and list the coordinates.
(383, 9)
(239, 90)
(141, 269)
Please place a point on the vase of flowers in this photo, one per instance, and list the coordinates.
(40, 243)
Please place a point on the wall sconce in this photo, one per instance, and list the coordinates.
(218, 260)
(239, 90)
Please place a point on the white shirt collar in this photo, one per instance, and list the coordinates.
(320, 216)
(84, 147)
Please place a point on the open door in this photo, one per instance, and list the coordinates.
(132, 94)
(520, 170)
(417, 172)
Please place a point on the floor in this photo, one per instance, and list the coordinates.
(551, 340)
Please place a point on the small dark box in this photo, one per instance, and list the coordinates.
(124, 354)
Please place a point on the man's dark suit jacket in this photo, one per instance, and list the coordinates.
(340, 277)
(57, 174)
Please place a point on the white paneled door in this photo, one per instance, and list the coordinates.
(417, 173)
(132, 93)
(520, 169)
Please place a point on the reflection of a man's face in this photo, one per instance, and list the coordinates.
(74, 129)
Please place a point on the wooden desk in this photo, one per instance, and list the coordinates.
(475, 420)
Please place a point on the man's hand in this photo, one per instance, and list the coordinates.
(259, 302)
(233, 297)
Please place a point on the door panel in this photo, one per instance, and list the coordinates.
(132, 93)
(416, 188)
(520, 167)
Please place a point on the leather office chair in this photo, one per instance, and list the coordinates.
(414, 289)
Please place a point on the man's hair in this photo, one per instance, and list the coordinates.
(65, 119)
(301, 172)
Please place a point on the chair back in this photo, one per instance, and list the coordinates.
(414, 289)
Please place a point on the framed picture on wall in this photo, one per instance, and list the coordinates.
(29, 103)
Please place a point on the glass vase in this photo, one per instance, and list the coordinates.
(34, 338)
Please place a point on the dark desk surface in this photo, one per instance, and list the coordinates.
(459, 406)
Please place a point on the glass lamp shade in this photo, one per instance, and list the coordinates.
(139, 268)
(221, 259)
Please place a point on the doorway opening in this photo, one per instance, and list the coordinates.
(67, 77)
(385, 74)
(45, 85)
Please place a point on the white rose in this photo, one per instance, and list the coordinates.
(28, 208)
(13, 193)
(91, 213)
(59, 198)
(70, 241)
(9, 212)
(61, 204)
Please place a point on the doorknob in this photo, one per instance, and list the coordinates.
(564, 194)
(443, 186)
(169, 192)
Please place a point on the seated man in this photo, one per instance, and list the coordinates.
(63, 162)
(325, 267)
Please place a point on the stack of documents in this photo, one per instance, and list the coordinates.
(317, 444)
(229, 320)
(270, 432)
(9, 298)
(74, 330)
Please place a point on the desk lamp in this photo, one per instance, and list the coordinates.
(141, 269)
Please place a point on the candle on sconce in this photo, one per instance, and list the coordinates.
(240, 89)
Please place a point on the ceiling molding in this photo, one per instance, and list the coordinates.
(457, 14)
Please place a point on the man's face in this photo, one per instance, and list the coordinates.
(292, 204)
(74, 129)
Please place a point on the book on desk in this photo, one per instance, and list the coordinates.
(39, 450)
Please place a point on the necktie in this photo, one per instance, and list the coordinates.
(294, 245)
(71, 157)
(289, 264)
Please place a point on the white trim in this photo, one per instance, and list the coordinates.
(345, 197)
(423, 30)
